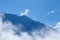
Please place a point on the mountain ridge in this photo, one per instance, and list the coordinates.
(29, 25)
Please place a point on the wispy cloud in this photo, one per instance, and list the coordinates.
(51, 12)
(25, 12)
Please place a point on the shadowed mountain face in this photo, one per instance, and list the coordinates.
(28, 25)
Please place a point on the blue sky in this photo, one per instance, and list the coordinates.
(45, 11)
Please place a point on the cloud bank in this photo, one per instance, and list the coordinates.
(7, 33)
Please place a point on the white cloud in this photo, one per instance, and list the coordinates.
(25, 12)
(57, 26)
(7, 33)
(51, 12)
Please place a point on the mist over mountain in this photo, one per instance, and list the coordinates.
(25, 27)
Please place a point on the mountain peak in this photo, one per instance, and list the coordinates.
(28, 24)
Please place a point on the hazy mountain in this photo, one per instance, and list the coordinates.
(14, 27)
(25, 24)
